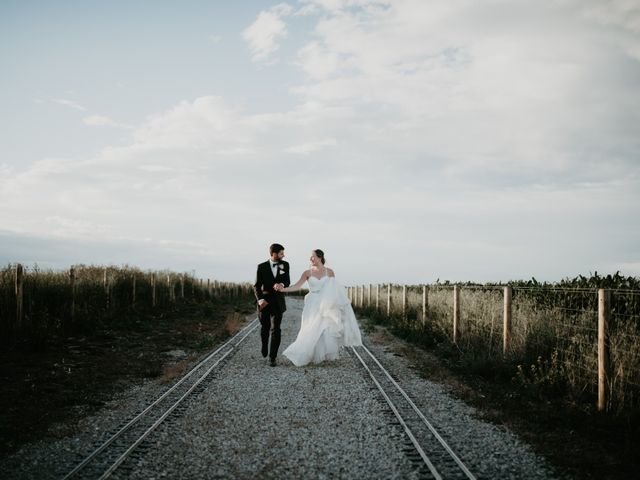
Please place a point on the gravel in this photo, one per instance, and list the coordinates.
(257, 421)
(489, 451)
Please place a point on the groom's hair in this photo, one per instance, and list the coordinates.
(275, 248)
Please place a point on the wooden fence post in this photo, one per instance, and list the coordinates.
(604, 306)
(209, 286)
(72, 283)
(456, 313)
(105, 284)
(19, 295)
(153, 289)
(362, 296)
(369, 296)
(425, 304)
(404, 302)
(377, 297)
(388, 300)
(506, 335)
(170, 288)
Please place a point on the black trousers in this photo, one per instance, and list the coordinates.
(270, 319)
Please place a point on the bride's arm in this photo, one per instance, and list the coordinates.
(296, 287)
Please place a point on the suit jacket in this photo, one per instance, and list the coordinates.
(263, 286)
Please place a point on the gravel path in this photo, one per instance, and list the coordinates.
(256, 421)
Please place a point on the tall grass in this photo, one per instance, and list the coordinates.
(102, 296)
(553, 348)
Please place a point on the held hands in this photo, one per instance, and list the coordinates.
(279, 287)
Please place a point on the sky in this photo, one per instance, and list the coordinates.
(411, 140)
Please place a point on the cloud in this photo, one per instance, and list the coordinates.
(69, 103)
(207, 121)
(494, 87)
(444, 139)
(625, 13)
(310, 7)
(263, 34)
(619, 15)
(317, 61)
(103, 121)
(203, 177)
(310, 147)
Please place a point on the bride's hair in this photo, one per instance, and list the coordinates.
(320, 254)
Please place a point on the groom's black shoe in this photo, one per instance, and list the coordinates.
(272, 362)
(264, 351)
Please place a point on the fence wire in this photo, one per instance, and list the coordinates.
(553, 330)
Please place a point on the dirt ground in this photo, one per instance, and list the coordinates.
(578, 444)
(70, 377)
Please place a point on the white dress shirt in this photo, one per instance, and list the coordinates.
(274, 268)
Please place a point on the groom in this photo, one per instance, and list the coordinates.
(271, 304)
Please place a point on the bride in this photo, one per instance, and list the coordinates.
(328, 321)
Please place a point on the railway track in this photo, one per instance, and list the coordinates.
(426, 448)
(130, 437)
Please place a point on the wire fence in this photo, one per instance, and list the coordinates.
(549, 336)
(36, 302)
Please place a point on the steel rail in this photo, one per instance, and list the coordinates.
(403, 422)
(407, 430)
(249, 329)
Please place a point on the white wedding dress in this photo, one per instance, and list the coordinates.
(328, 322)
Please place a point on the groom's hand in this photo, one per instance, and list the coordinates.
(261, 301)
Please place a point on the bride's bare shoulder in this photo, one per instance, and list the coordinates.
(330, 272)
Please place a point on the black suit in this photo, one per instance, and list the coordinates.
(271, 315)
